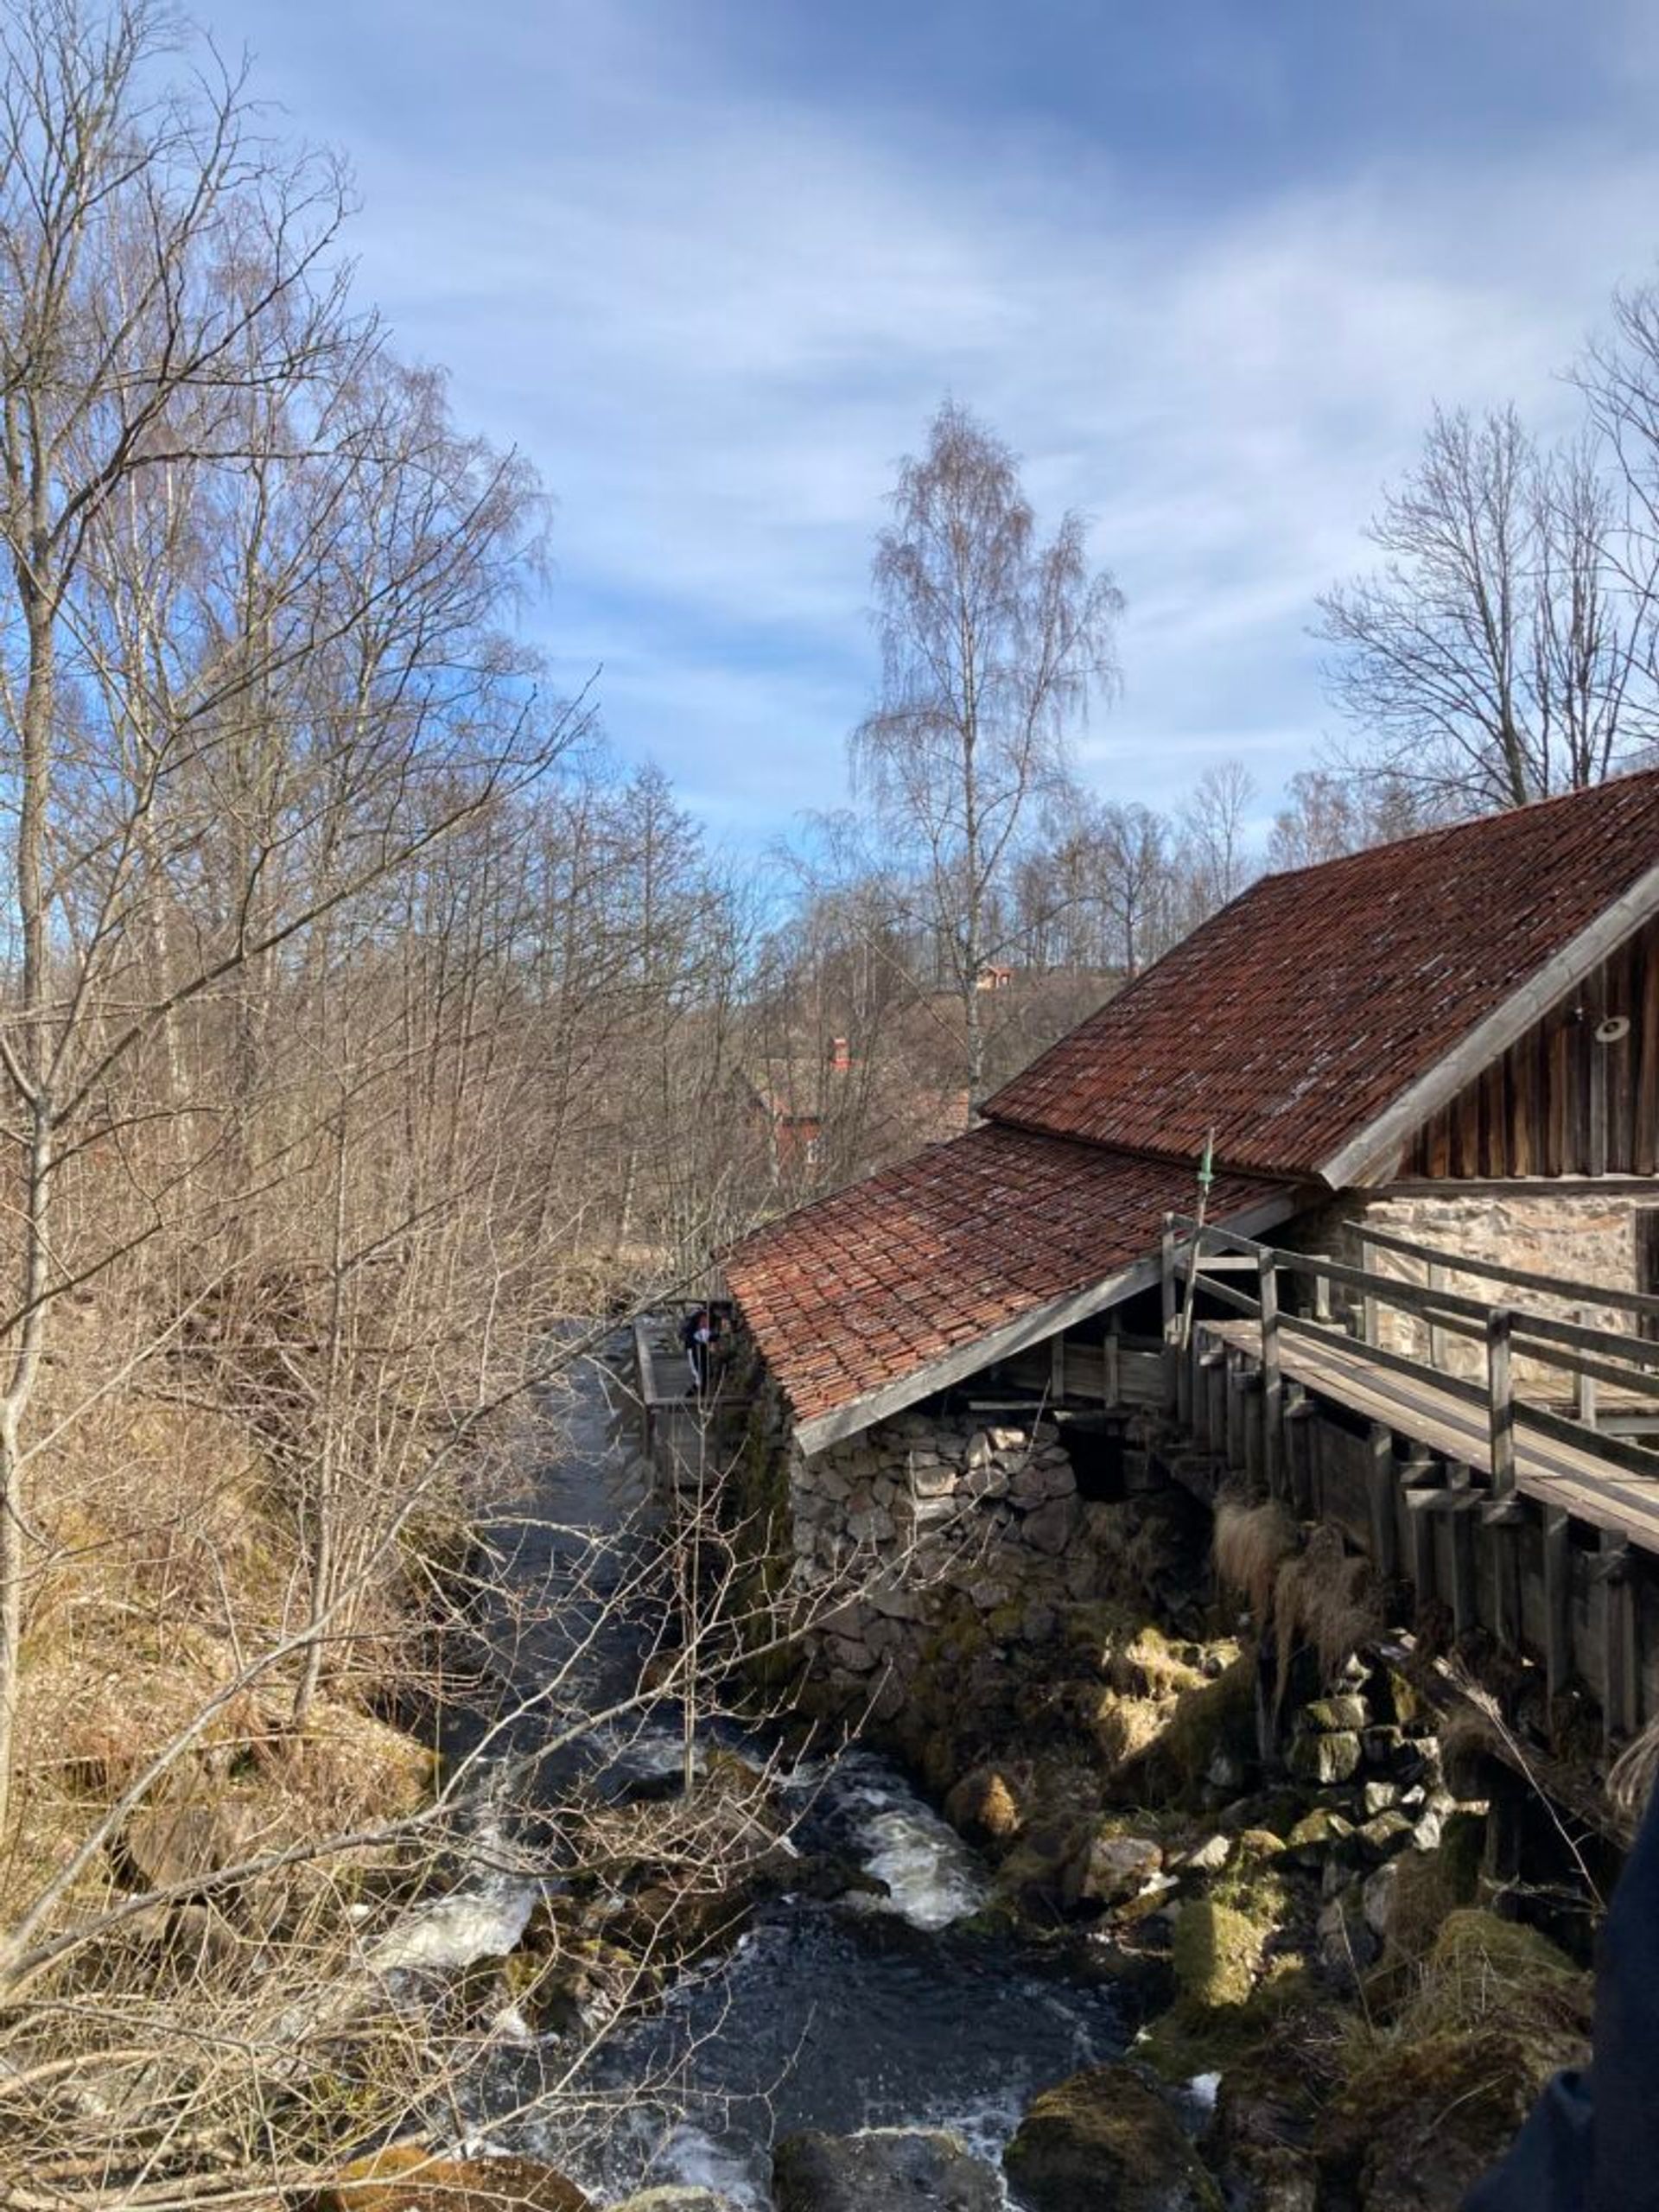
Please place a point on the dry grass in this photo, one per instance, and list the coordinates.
(1251, 1544)
(1634, 1772)
(1326, 1600)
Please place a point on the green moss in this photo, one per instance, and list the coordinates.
(1103, 2136)
(1406, 1703)
(1188, 2040)
(1319, 1832)
(1213, 1716)
(1421, 2118)
(1256, 1845)
(1095, 1630)
(1218, 1952)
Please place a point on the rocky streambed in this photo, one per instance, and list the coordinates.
(1092, 1956)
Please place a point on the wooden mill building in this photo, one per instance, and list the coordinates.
(1436, 1065)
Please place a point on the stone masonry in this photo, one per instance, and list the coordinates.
(925, 1510)
(1588, 1235)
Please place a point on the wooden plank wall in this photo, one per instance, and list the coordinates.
(1558, 1102)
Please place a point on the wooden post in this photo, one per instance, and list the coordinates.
(1112, 1367)
(1368, 1306)
(1057, 1368)
(1500, 1398)
(1301, 1414)
(1172, 1381)
(1612, 1573)
(1273, 1385)
(1436, 1334)
(1322, 1295)
(1557, 1596)
(1595, 1005)
(1380, 1488)
(1585, 1405)
(1466, 1601)
(1420, 1522)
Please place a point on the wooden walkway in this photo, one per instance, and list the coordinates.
(678, 1426)
(1580, 1482)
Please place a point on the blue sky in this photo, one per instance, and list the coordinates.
(713, 264)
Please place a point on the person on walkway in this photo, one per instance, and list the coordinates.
(1590, 2144)
(697, 1335)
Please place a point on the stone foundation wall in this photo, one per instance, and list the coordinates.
(918, 1513)
(1588, 1235)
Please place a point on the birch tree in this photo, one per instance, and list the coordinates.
(992, 641)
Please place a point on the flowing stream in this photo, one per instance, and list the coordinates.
(868, 2009)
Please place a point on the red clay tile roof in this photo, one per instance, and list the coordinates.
(870, 1286)
(1295, 1016)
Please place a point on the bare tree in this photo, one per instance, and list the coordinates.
(1327, 814)
(991, 640)
(258, 746)
(1502, 652)
(1215, 824)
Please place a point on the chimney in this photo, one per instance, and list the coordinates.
(841, 1059)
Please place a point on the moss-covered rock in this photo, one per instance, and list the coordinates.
(1150, 1665)
(1257, 1845)
(1034, 1876)
(1329, 1716)
(1415, 2124)
(1210, 1717)
(1112, 1865)
(1323, 1759)
(880, 2170)
(987, 1806)
(1217, 1952)
(1105, 2139)
(1317, 1835)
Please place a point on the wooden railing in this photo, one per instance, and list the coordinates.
(1197, 1254)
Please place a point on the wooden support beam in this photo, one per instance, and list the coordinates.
(1368, 1304)
(1057, 1368)
(1235, 1430)
(1215, 1403)
(1500, 1400)
(1616, 1602)
(1273, 1385)
(1420, 1530)
(1500, 1536)
(1301, 1431)
(1466, 1596)
(1437, 1337)
(1557, 1596)
(1595, 1006)
(1253, 1406)
(1170, 1289)
(1585, 1384)
(1382, 1492)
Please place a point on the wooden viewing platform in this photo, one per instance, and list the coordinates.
(676, 1424)
(1532, 1523)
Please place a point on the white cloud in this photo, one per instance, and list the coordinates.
(717, 320)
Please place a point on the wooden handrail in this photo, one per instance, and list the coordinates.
(1506, 1330)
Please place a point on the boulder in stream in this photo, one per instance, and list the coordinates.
(881, 2170)
(1102, 2141)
